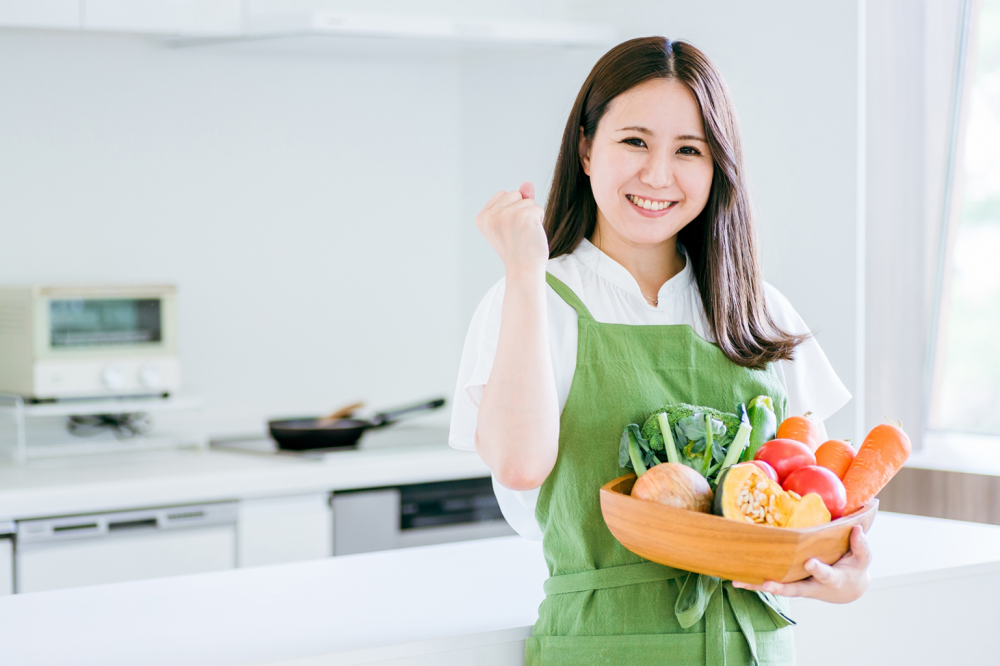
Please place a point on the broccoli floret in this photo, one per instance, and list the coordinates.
(651, 429)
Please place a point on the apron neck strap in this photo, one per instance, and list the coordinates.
(567, 295)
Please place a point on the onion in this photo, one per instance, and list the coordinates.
(676, 485)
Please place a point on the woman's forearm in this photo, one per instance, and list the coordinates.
(517, 433)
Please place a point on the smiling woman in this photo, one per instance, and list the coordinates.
(641, 289)
(665, 129)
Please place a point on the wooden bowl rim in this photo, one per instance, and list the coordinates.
(858, 515)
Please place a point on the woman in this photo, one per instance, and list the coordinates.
(641, 288)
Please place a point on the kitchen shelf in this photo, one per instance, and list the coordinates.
(24, 449)
(339, 29)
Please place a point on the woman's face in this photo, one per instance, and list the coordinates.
(648, 162)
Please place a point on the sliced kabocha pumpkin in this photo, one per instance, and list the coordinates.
(746, 494)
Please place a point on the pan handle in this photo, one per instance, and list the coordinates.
(385, 418)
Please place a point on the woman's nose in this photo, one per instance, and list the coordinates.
(658, 173)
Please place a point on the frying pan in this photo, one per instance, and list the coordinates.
(303, 434)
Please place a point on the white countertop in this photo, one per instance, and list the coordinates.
(83, 484)
(388, 605)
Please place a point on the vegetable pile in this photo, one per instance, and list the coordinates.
(690, 458)
(698, 437)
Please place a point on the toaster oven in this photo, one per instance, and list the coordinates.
(63, 342)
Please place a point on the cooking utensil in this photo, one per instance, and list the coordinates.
(344, 412)
(721, 547)
(303, 434)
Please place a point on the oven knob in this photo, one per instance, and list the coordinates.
(150, 376)
(114, 377)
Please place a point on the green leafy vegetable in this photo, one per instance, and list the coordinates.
(700, 437)
(709, 445)
(764, 422)
(634, 451)
(740, 441)
(663, 420)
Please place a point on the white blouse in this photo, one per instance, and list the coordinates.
(613, 296)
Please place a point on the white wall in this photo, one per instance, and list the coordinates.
(307, 207)
(252, 176)
(515, 110)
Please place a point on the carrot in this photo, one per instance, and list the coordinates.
(801, 429)
(836, 455)
(882, 454)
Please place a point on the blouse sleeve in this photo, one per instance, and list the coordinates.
(478, 354)
(810, 381)
(518, 507)
(474, 369)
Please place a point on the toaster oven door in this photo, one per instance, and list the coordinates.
(105, 341)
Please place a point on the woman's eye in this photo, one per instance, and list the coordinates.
(628, 141)
(690, 150)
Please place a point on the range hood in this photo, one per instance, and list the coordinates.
(449, 30)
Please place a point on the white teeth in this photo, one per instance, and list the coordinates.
(649, 205)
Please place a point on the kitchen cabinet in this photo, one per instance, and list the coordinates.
(281, 503)
(275, 530)
(239, 20)
(97, 549)
(59, 14)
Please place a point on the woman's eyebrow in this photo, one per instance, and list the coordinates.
(643, 130)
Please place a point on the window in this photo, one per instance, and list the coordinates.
(968, 372)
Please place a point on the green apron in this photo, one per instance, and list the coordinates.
(605, 604)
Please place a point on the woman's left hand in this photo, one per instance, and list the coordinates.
(841, 583)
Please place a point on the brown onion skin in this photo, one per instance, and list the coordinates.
(676, 485)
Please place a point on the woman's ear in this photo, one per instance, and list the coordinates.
(584, 149)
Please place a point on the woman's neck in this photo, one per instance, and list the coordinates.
(650, 265)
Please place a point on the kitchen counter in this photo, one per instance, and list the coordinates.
(475, 602)
(92, 483)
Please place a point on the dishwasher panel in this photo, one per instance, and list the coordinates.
(118, 547)
(419, 514)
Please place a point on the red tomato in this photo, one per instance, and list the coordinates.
(767, 469)
(823, 482)
(785, 456)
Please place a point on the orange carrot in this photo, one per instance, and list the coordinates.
(801, 429)
(882, 454)
(836, 455)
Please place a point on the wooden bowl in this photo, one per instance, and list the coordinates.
(721, 547)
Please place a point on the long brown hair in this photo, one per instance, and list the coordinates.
(720, 242)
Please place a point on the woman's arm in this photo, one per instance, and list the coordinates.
(517, 431)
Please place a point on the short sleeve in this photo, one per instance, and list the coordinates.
(474, 369)
(810, 381)
(478, 354)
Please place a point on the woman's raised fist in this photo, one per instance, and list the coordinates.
(512, 224)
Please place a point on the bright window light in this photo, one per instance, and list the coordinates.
(969, 375)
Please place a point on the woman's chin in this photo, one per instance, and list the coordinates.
(648, 235)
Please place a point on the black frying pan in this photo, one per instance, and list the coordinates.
(310, 433)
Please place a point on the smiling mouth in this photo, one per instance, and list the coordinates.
(648, 204)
